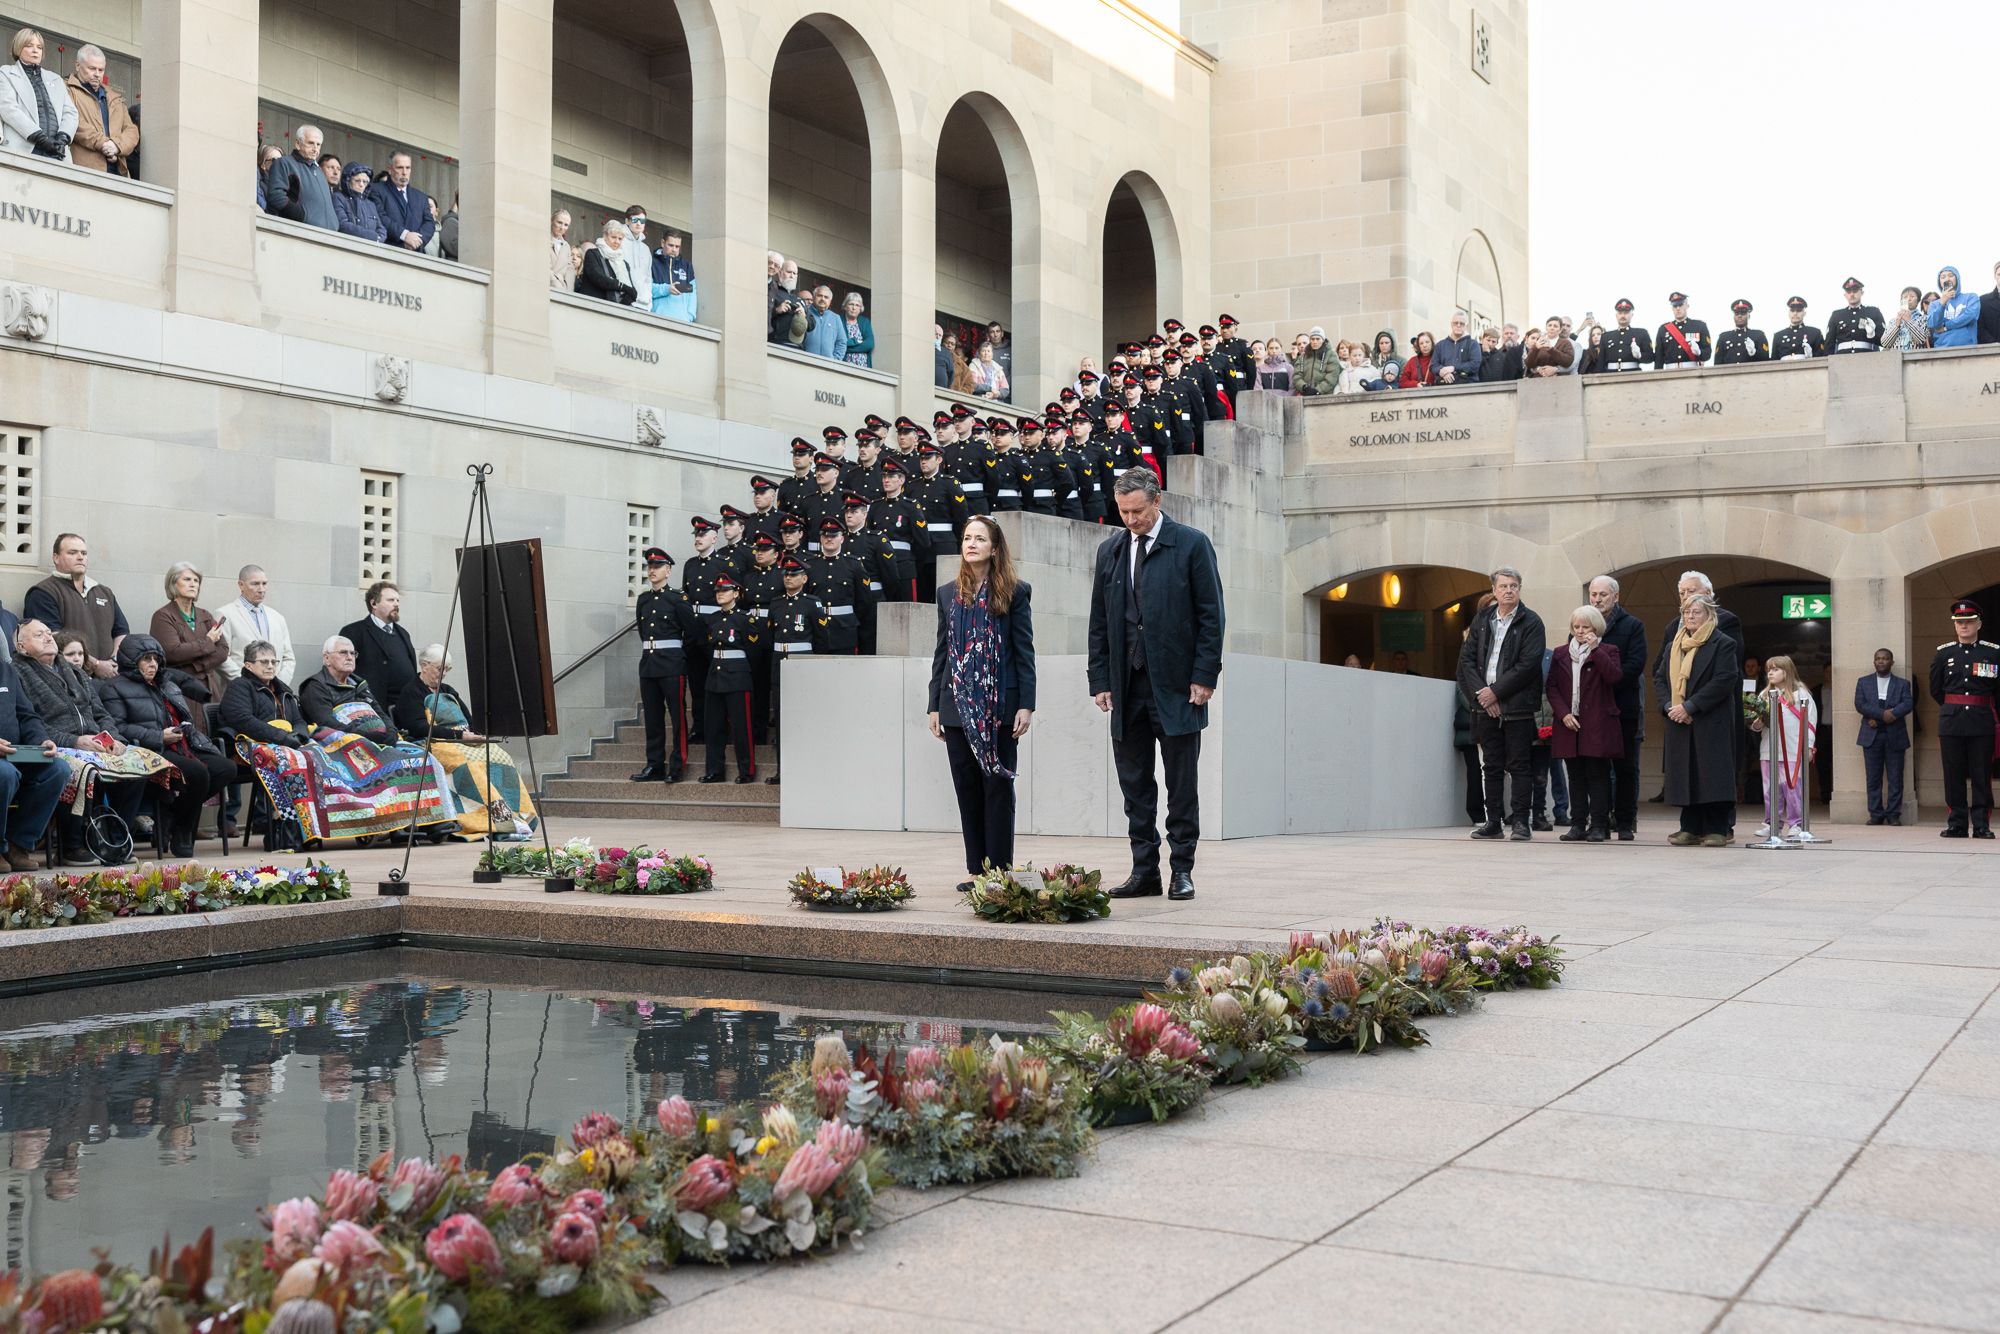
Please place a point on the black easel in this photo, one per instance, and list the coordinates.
(491, 577)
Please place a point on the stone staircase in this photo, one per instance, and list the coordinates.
(598, 786)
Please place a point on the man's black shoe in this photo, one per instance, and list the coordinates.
(1878, 819)
(1487, 830)
(1982, 832)
(1952, 831)
(746, 778)
(1521, 834)
(965, 886)
(650, 775)
(1596, 836)
(1542, 825)
(673, 776)
(714, 778)
(1183, 887)
(1896, 820)
(1139, 885)
(772, 781)
(1573, 834)
(1627, 835)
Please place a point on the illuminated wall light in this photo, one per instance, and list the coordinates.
(1392, 590)
(1453, 609)
(1337, 592)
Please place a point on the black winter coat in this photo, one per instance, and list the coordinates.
(1700, 756)
(1627, 633)
(144, 710)
(249, 707)
(1180, 591)
(1518, 682)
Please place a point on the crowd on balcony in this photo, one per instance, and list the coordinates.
(97, 717)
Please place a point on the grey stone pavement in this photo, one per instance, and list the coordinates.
(1765, 1101)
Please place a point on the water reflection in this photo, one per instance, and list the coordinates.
(187, 1103)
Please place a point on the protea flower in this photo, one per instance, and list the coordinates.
(830, 1053)
(919, 1092)
(1434, 964)
(1214, 979)
(702, 1183)
(348, 1247)
(71, 1300)
(1035, 1076)
(1005, 1062)
(677, 1118)
(351, 1198)
(781, 1125)
(616, 1158)
(922, 1062)
(424, 1179)
(302, 1279)
(1224, 1008)
(844, 1142)
(1303, 942)
(1177, 1044)
(589, 1203)
(295, 1228)
(461, 1247)
(811, 1169)
(1275, 1004)
(302, 1315)
(573, 1239)
(515, 1186)
(830, 1092)
(593, 1129)
(1375, 959)
(1343, 984)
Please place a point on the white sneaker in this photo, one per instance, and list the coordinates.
(1793, 834)
(1763, 831)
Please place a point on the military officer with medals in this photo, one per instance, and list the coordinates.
(841, 587)
(667, 626)
(936, 493)
(1965, 676)
(1798, 340)
(1854, 327)
(760, 587)
(797, 628)
(825, 502)
(1741, 344)
(1207, 384)
(698, 578)
(1681, 342)
(1231, 358)
(901, 524)
(1624, 348)
(731, 636)
(1186, 413)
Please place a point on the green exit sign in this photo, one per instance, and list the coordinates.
(1805, 606)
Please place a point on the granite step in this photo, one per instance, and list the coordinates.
(600, 770)
(729, 812)
(680, 794)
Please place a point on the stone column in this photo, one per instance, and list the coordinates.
(732, 215)
(201, 142)
(903, 253)
(1869, 612)
(505, 120)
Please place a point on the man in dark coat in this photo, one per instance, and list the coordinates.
(1500, 675)
(1626, 633)
(1698, 749)
(384, 657)
(1156, 621)
(406, 210)
(1884, 701)
(1694, 582)
(28, 791)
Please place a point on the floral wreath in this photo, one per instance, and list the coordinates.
(873, 889)
(1066, 893)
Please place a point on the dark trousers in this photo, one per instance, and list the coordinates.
(729, 721)
(1589, 793)
(664, 712)
(760, 693)
(1132, 752)
(1708, 817)
(1504, 744)
(31, 791)
(926, 577)
(776, 715)
(697, 689)
(1475, 790)
(1625, 776)
(204, 775)
(1885, 781)
(1968, 760)
(985, 801)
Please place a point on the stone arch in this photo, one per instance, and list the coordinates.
(1664, 533)
(1137, 197)
(1021, 197)
(1478, 288)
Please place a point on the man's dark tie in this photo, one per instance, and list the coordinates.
(1135, 620)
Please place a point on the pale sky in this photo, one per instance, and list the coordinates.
(1759, 150)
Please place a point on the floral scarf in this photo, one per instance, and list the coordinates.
(975, 651)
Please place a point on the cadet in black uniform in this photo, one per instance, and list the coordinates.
(968, 465)
(901, 524)
(730, 636)
(825, 501)
(764, 512)
(733, 550)
(1007, 477)
(1231, 358)
(792, 492)
(1151, 417)
(937, 493)
(866, 478)
(760, 588)
(1186, 413)
(1964, 677)
(907, 435)
(1743, 343)
(1208, 385)
(1680, 341)
(792, 537)
(1854, 327)
(1624, 348)
(1095, 450)
(1041, 483)
(797, 629)
(1072, 449)
(870, 550)
(667, 626)
(1143, 428)
(698, 578)
(1798, 340)
(841, 587)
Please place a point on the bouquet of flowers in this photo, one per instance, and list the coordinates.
(965, 1113)
(640, 870)
(575, 858)
(1757, 708)
(874, 889)
(1064, 894)
(1138, 1065)
(1507, 958)
(315, 882)
(1240, 1014)
(156, 889)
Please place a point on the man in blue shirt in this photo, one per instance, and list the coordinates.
(1455, 360)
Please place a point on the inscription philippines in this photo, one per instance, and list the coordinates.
(1387, 416)
(381, 296)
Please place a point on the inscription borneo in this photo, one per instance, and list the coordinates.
(631, 353)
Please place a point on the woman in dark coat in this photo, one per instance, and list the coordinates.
(1697, 683)
(257, 700)
(982, 694)
(151, 711)
(1583, 673)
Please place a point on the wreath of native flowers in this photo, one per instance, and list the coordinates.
(1240, 1014)
(1067, 894)
(872, 889)
(1140, 1064)
(1504, 959)
(155, 889)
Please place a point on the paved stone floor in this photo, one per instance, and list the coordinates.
(1765, 1101)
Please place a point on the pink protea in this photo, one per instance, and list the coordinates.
(295, 1228)
(424, 1179)
(573, 1239)
(1434, 964)
(351, 1198)
(348, 1247)
(811, 1169)
(830, 1091)
(677, 1118)
(515, 1186)
(1303, 942)
(461, 1248)
(589, 1203)
(918, 1092)
(846, 1143)
(702, 1183)
(922, 1062)
(69, 1301)
(1177, 1044)
(594, 1128)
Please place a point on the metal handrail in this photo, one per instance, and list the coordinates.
(604, 644)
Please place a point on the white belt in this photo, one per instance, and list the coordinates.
(1008, 491)
(1849, 347)
(874, 587)
(650, 644)
(840, 611)
(899, 546)
(972, 486)
(1041, 491)
(803, 646)
(707, 610)
(1628, 365)
(1797, 356)
(761, 612)
(1182, 415)
(730, 653)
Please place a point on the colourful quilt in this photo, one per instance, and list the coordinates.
(338, 785)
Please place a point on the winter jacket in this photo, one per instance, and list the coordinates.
(1390, 366)
(65, 700)
(296, 188)
(1518, 683)
(1955, 322)
(144, 710)
(98, 121)
(250, 706)
(1461, 355)
(359, 217)
(1416, 373)
(1316, 372)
